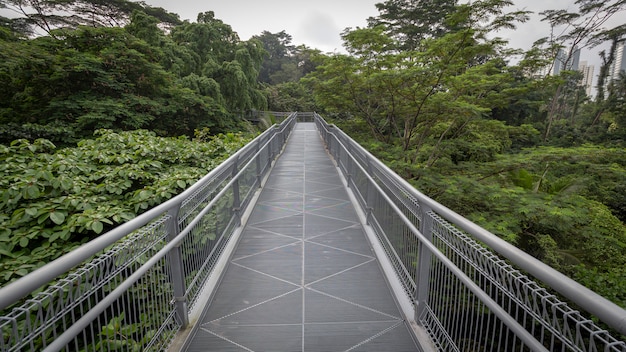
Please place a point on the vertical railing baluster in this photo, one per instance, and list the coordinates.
(176, 267)
(259, 171)
(236, 208)
(370, 194)
(424, 264)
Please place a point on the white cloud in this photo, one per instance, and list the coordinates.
(319, 23)
(319, 30)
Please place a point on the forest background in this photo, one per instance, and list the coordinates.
(110, 107)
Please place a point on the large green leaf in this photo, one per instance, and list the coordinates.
(57, 217)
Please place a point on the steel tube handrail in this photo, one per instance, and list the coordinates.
(20, 288)
(506, 318)
(607, 311)
(93, 313)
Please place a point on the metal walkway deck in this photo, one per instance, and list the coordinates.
(300, 275)
(303, 277)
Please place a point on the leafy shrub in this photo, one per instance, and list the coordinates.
(52, 200)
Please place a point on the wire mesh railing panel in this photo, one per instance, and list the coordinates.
(549, 319)
(471, 290)
(248, 184)
(192, 205)
(397, 240)
(40, 320)
(201, 248)
(402, 198)
(468, 322)
(131, 289)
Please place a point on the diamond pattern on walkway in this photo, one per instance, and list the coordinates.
(303, 276)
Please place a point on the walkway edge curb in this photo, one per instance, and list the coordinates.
(183, 337)
(421, 337)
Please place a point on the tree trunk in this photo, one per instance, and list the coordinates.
(553, 111)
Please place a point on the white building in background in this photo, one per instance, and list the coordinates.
(561, 63)
(587, 71)
(619, 64)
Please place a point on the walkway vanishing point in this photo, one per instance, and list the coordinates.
(303, 277)
(303, 241)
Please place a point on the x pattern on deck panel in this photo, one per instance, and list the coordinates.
(303, 277)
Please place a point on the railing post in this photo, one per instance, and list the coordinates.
(329, 143)
(236, 196)
(270, 147)
(424, 264)
(336, 153)
(349, 165)
(257, 161)
(176, 267)
(369, 200)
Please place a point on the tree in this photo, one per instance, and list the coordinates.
(423, 96)
(227, 63)
(179, 60)
(411, 21)
(283, 62)
(91, 78)
(46, 15)
(278, 50)
(615, 107)
(210, 38)
(290, 96)
(85, 79)
(583, 28)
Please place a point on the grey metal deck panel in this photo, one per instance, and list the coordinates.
(303, 276)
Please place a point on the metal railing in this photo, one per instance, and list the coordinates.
(471, 291)
(134, 287)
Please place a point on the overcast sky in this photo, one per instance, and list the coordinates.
(318, 23)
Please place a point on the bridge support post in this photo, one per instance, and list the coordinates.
(424, 265)
(176, 267)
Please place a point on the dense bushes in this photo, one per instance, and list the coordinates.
(52, 200)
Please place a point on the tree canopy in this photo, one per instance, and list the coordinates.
(530, 157)
(77, 80)
(427, 86)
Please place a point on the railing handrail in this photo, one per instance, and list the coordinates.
(84, 321)
(519, 330)
(16, 290)
(610, 313)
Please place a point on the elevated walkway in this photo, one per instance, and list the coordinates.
(303, 277)
(268, 252)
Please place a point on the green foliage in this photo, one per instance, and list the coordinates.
(452, 118)
(283, 62)
(290, 96)
(52, 200)
(226, 69)
(562, 205)
(118, 336)
(425, 97)
(129, 78)
(609, 283)
(46, 15)
(412, 21)
(92, 78)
